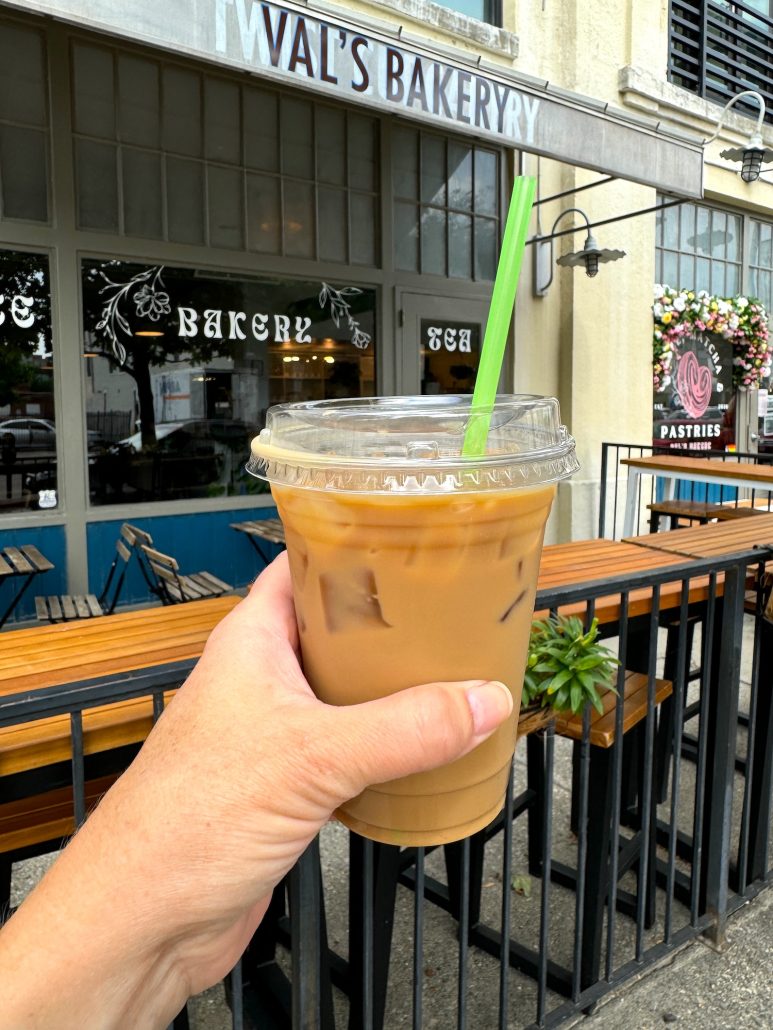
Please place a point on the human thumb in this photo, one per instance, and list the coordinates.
(416, 729)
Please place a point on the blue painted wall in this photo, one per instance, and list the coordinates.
(49, 540)
(201, 540)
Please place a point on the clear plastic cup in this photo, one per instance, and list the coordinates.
(411, 564)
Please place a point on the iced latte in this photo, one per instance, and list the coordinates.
(412, 564)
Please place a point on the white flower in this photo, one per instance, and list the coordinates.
(657, 310)
(680, 302)
(742, 302)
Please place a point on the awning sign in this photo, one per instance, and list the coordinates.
(380, 67)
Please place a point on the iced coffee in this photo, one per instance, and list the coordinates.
(411, 564)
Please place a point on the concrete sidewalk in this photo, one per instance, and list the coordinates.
(701, 989)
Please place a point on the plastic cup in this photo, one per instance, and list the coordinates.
(412, 563)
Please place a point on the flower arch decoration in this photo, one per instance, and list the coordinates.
(742, 320)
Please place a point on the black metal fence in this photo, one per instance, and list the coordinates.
(718, 48)
(614, 477)
(618, 842)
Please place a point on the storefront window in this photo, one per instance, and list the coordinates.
(27, 425)
(182, 365)
(699, 248)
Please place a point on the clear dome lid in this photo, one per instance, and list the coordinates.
(405, 444)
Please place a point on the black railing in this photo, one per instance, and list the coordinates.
(718, 48)
(606, 858)
(614, 476)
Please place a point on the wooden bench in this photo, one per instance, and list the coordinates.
(34, 825)
(25, 561)
(698, 511)
(258, 531)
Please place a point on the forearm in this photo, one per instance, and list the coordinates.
(81, 952)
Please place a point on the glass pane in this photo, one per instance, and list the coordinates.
(333, 220)
(362, 153)
(754, 244)
(138, 101)
(406, 230)
(27, 413)
(23, 173)
(221, 352)
(433, 170)
(687, 226)
(264, 209)
(299, 220)
(22, 76)
(687, 272)
(297, 138)
(364, 229)
(331, 146)
(669, 269)
(185, 200)
(702, 231)
(450, 353)
(95, 173)
(261, 139)
(182, 112)
(733, 238)
(765, 289)
(718, 278)
(486, 184)
(94, 91)
(405, 163)
(718, 234)
(460, 246)
(733, 280)
(754, 289)
(459, 176)
(433, 241)
(702, 274)
(222, 131)
(766, 245)
(486, 248)
(142, 193)
(671, 227)
(224, 192)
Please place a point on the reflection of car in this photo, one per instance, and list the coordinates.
(30, 433)
(196, 458)
(38, 434)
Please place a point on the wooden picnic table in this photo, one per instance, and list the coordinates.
(67, 652)
(712, 540)
(670, 468)
(21, 563)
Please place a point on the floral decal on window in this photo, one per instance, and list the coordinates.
(340, 311)
(151, 301)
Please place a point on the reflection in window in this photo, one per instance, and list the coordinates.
(446, 209)
(699, 248)
(450, 354)
(27, 426)
(183, 364)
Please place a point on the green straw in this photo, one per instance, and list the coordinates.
(500, 312)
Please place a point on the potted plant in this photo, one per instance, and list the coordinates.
(566, 666)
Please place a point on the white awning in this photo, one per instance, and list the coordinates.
(362, 62)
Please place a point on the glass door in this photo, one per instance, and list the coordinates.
(441, 343)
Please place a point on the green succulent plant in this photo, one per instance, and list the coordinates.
(566, 665)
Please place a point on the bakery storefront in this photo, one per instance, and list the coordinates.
(201, 217)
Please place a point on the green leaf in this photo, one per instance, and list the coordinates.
(559, 679)
(577, 698)
(522, 885)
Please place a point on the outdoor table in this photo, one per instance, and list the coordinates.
(717, 540)
(740, 474)
(24, 563)
(68, 652)
(260, 532)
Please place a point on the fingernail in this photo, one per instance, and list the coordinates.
(490, 703)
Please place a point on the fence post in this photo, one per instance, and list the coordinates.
(312, 1000)
(722, 730)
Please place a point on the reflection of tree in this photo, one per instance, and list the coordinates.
(120, 299)
(27, 336)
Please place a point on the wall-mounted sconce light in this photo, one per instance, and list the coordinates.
(754, 153)
(591, 255)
